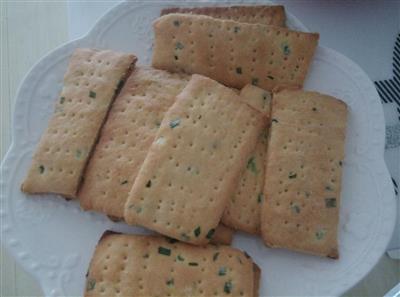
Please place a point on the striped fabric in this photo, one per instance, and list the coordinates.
(396, 187)
(389, 89)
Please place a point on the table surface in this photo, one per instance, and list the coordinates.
(363, 30)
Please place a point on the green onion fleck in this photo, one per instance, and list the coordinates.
(222, 271)
(179, 45)
(180, 258)
(254, 81)
(292, 174)
(78, 154)
(92, 94)
(314, 109)
(124, 182)
(251, 165)
(320, 234)
(148, 185)
(197, 231)
(41, 169)
(236, 29)
(215, 257)
(295, 208)
(260, 197)
(176, 57)
(270, 77)
(228, 287)
(146, 256)
(170, 282)
(239, 70)
(176, 23)
(193, 264)
(340, 163)
(328, 188)
(164, 251)
(91, 283)
(285, 48)
(174, 123)
(330, 202)
(62, 99)
(274, 120)
(210, 233)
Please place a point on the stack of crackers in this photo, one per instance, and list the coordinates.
(216, 136)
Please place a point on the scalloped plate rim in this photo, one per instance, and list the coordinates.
(15, 141)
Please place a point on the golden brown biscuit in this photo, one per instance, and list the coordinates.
(194, 164)
(137, 265)
(233, 53)
(92, 81)
(257, 14)
(244, 208)
(222, 235)
(303, 172)
(125, 139)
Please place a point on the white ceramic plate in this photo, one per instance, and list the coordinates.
(54, 240)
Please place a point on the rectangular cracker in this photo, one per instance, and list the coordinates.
(244, 208)
(194, 164)
(130, 129)
(303, 173)
(257, 14)
(222, 235)
(139, 265)
(257, 98)
(233, 53)
(92, 80)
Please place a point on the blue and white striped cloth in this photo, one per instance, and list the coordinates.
(389, 91)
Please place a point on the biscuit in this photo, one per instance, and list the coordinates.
(125, 138)
(303, 172)
(233, 53)
(92, 81)
(257, 14)
(222, 235)
(244, 208)
(139, 265)
(257, 98)
(195, 162)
